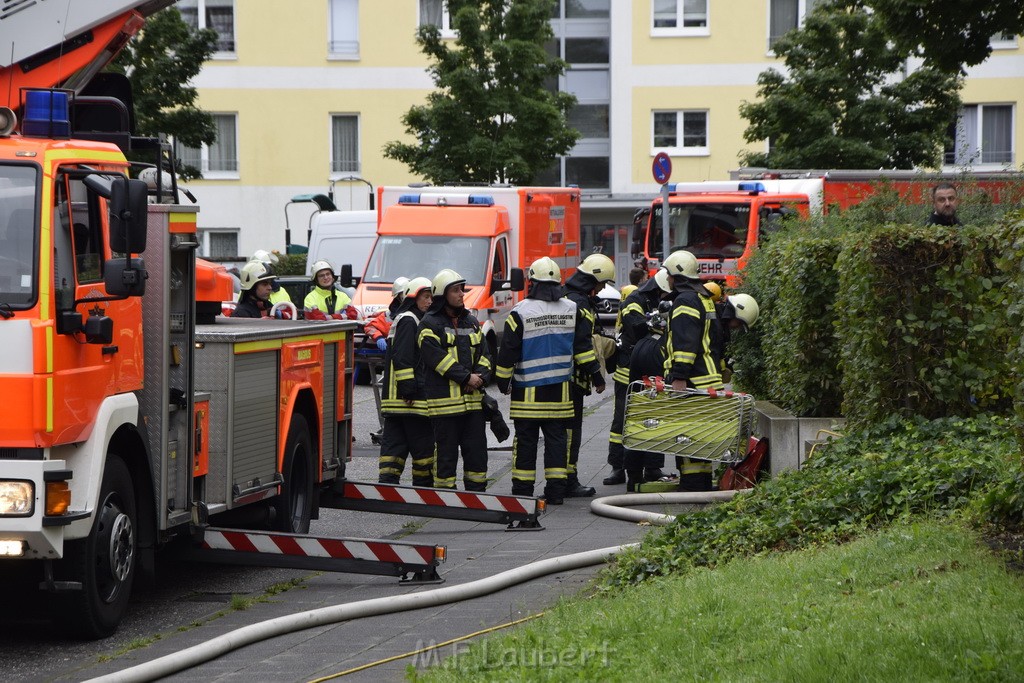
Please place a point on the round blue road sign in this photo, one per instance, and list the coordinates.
(661, 168)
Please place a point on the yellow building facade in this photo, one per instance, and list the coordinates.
(307, 93)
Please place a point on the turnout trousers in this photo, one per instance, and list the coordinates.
(615, 449)
(463, 432)
(524, 456)
(406, 435)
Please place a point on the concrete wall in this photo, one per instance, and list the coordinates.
(791, 438)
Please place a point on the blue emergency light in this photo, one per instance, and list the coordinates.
(46, 114)
(752, 187)
(481, 200)
(409, 199)
(438, 199)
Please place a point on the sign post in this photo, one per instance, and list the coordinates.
(661, 169)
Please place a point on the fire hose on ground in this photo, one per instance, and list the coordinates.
(609, 506)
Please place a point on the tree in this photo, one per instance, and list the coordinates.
(491, 117)
(949, 34)
(160, 61)
(846, 102)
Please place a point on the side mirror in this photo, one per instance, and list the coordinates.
(128, 214)
(125, 277)
(99, 329)
(345, 276)
(518, 280)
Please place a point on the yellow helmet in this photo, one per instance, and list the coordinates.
(445, 279)
(682, 264)
(545, 269)
(600, 266)
(626, 291)
(715, 290)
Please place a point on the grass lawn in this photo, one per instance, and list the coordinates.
(920, 601)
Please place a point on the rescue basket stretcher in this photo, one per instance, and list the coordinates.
(695, 423)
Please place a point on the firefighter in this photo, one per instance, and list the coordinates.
(270, 260)
(257, 282)
(689, 362)
(581, 288)
(647, 359)
(377, 327)
(634, 312)
(324, 300)
(457, 368)
(535, 364)
(737, 312)
(407, 429)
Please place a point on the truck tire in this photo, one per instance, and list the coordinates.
(105, 562)
(294, 507)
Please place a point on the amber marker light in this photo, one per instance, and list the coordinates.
(440, 553)
(58, 497)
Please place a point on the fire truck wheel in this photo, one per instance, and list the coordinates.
(104, 562)
(294, 507)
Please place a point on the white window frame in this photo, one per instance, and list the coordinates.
(446, 21)
(980, 135)
(680, 150)
(201, 20)
(1000, 42)
(204, 240)
(801, 15)
(336, 175)
(679, 30)
(204, 155)
(333, 53)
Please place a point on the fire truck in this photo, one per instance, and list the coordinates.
(721, 222)
(487, 234)
(136, 416)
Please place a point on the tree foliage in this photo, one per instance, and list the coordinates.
(949, 34)
(492, 116)
(845, 102)
(160, 62)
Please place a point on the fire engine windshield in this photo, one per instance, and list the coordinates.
(705, 230)
(18, 188)
(424, 255)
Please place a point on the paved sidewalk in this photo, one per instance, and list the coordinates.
(475, 551)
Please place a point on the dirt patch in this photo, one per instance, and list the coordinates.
(1009, 545)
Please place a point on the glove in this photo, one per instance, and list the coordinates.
(338, 316)
(283, 314)
(315, 314)
(351, 313)
(382, 344)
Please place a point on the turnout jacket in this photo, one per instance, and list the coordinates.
(688, 352)
(634, 312)
(404, 374)
(543, 338)
(451, 348)
(586, 371)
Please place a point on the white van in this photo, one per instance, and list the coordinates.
(341, 237)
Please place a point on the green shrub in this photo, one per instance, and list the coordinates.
(860, 482)
(290, 264)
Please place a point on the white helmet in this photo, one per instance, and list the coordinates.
(746, 308)
(264, 256)
(415, 286)
(253, 272)
(398, 287)
(545, 269)
(661, 279)
(682, 263)
(317, 267)
(600, 266)
(445, 279)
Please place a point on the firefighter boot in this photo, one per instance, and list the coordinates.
(618, 476)
(653, 473)
(634, 477)
(574, 489)
(554, 492)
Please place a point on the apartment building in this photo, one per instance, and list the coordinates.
(306, 94)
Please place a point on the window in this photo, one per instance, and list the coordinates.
(1003, 40)
(982, 134)
(219, 243)
(219, 160)
(344, 28)
(344, 143)
(680, 17)
(786, 15)
(681, 132)
(581, 9)
(435, 13)
(216, 14)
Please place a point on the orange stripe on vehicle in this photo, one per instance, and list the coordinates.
(181, 222)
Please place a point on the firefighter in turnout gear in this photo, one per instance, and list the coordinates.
(689, 362)
(634, 310)
(736, 312)
(457, 369)
(540, 341)
(257, 284)
(581, 289)
(407, 429)
(647, 360)
(324, 300)
(269, 259)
